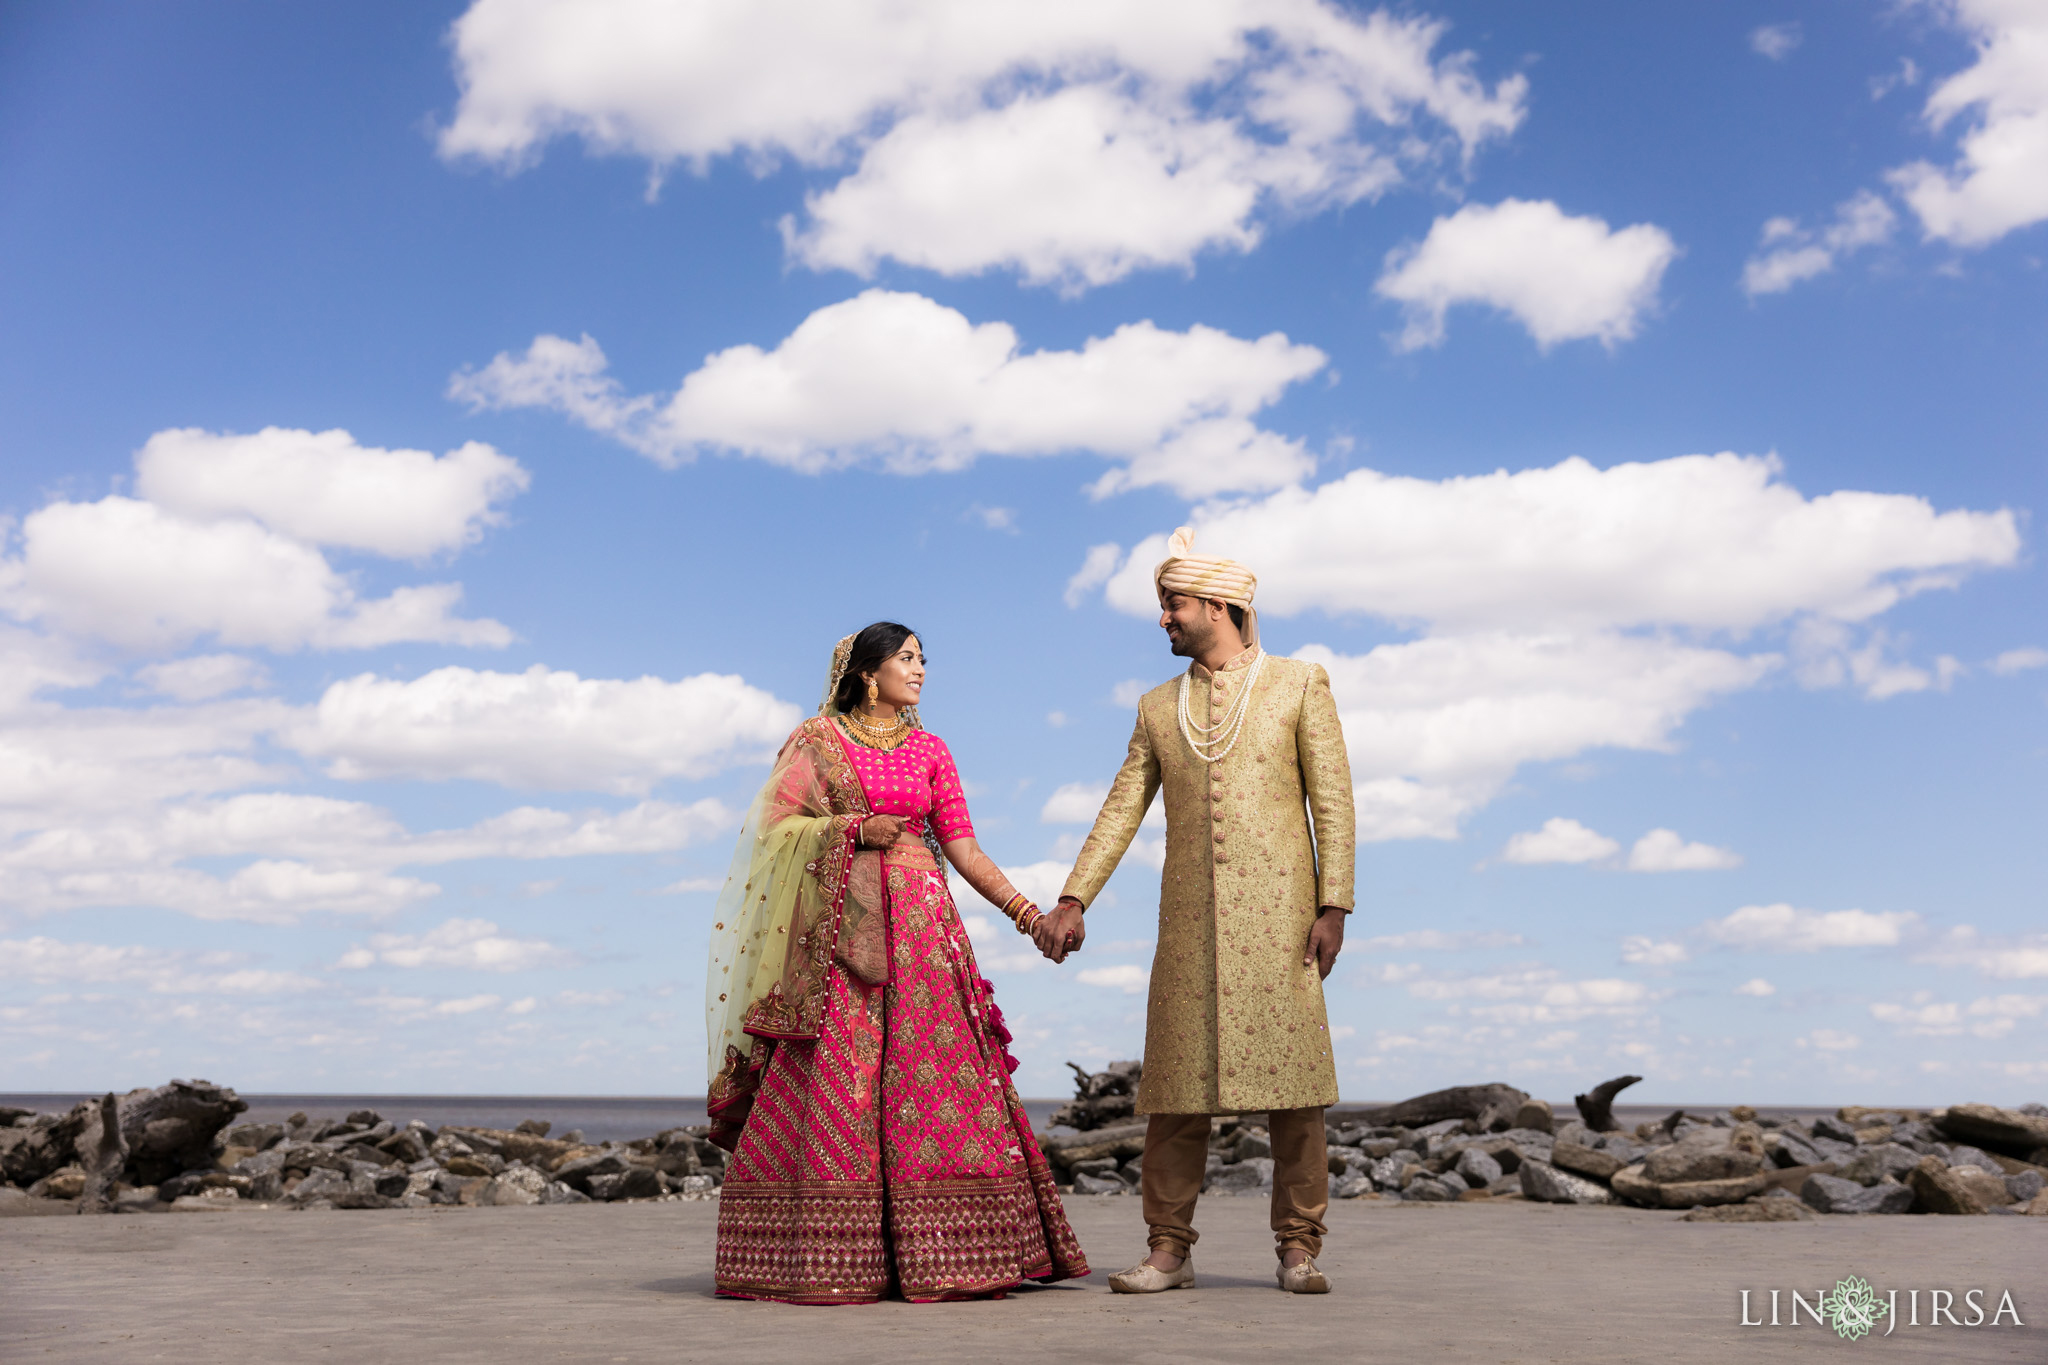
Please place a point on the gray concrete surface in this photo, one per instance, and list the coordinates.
(631, 1283)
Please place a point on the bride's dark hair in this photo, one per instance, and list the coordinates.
(871, 649)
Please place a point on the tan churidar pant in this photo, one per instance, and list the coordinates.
(1177, 1156)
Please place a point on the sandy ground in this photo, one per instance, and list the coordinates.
(1455, 1283)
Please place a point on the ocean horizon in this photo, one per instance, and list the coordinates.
(618, 1118)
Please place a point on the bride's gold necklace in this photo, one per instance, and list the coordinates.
(876, 736)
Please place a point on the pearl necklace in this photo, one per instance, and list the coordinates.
(1226, 730)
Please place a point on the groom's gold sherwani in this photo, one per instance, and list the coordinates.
(1235, 1021)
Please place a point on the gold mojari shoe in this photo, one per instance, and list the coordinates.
(1303, 1278)
(1146, 1278)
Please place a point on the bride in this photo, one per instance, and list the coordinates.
(860, 1068)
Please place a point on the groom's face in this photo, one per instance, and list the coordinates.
(1189, 623)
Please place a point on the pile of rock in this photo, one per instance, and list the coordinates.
(1492, 1142)
(174, 1147)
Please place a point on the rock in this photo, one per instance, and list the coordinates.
(1084, 1183)
(1762, 1211)
(1541, 1180)
(257, 1136)
(537, 1127)
(1586, 1161)
(1830, 1127)
(579, 1173)
(1877, 1132)
(1253, 1173)
(1489, 1107)
(1832, 1194)
(1963, 1154)
(1875, 1163)
(1351, 1186)
(1622, 1148)
(1937, 1189)
(1387, 1172)
(1788, 1148)
(1571, 1130)
(1429, 1190)
(534, 1150)
(66, 1182)
(141, 1200)
(218, 1200)
(1477, 1167)
(2038, 1206)
(2012, 1131)
(468, 1166)
(1703, 1155)
(1989, 1189)
(558, 1193)
(1534, 1114)
(635, 1182)
(2025, 1185)
(1632, 1184)
(1251, 1143)
(518, 1185)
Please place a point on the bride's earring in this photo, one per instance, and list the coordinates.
(874, 694)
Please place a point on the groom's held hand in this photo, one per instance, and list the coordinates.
(1325, 940)
(1062, 931)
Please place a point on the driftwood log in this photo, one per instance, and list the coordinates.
(1596, 1106)
(104, 1158)
(1491, 1107)
(1101, 1098)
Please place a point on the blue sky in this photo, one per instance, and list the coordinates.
(439, 446)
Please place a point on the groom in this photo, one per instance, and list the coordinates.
(1251, 911)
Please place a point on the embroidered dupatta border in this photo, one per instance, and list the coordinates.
(793, 1007)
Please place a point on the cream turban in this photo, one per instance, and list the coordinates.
(1207, 576)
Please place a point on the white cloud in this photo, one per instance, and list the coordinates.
(1785, 928)
(1071, 142)
(2019, 661)
(1434, 727)
(1129, 692)
(1560, 841)
(1097, 567)
(1986, 1017)
(1129, 979)
(1906, 77)
(897, 381)
(1790, 253)
(1830, 1040)
(1076, 803)
(1435, 940)
(1663, 850)
(203, 677)
(322, 488)
(1714, 542)
(1563, 278)
(144, 578)
(1829, 654)
(268, 891)
(1776, 41)
(165, 971)
(2022, 957)
(1758, 987)
(693, 886)
(542, 728)
(1999, 183)
(1534, 995)
(469, 944)
(1641, 951)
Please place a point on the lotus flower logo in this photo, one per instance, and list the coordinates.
(1853, 1308)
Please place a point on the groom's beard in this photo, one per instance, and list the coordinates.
(1193, 640)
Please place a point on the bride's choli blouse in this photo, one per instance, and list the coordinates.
(916, 780)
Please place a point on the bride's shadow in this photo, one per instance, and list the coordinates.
(704, 1287)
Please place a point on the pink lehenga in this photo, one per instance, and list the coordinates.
(862, 1073)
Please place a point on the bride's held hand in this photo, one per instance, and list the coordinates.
(881, 831)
